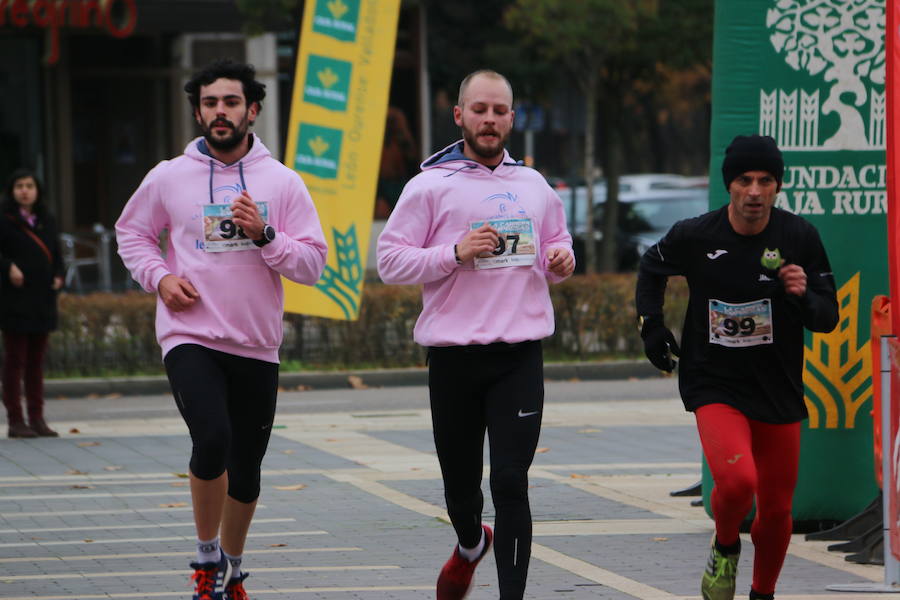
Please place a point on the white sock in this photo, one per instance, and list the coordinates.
(208, 552)
(235, 564)
(472, 554)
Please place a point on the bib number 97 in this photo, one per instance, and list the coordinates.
(501, 244)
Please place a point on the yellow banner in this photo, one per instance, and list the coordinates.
(338, 112)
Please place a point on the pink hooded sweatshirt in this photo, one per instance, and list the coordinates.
(241, 298)
(461, 305)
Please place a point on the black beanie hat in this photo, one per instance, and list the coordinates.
(752, 153)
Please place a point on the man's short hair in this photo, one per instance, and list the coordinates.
(489, 73)
(225, 68)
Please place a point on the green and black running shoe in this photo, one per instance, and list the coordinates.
(720, 575)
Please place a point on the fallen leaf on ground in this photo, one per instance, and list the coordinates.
(82, 487)
(182, 475)
(89, 541)
(288, 451)
(75, 472)
(74, 430)
(173, 504)
(303, 388)
(113, 396)
(660, 539)
(579, 476)
(542, 450)
(113, 468)
(298, 486)
(356, 382)
(277, 545)
(86, 444)
(178, 484)
(588, 430)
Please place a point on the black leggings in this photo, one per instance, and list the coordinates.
(228, 403)
(498, 388)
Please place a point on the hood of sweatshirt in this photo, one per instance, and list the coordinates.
(454, 160)
(197, 149)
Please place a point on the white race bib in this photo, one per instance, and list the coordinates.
(516, 246)
(739, 325)
(221, 234)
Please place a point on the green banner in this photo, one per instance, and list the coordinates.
(811, 74)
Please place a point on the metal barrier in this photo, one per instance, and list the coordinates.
(79, 251)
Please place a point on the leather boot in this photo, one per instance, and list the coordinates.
(39, 426)
(21, 430)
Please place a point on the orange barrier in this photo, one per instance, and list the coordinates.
(881, 325)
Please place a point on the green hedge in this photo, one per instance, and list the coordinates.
(113, 334)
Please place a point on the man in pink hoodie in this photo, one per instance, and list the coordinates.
(483, 235)
(237, 220)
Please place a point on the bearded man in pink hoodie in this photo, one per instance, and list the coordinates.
(483, 235)
(237, 220)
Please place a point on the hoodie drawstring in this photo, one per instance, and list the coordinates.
(212, 167)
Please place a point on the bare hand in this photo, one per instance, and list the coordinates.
(16, 277)
(483, 239)
(246, 216)
(560, 262)
(57, 282)
(177, 294)
(794, 279)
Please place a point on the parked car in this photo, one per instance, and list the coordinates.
(648, 206)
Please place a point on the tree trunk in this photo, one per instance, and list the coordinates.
(608, 248)
(590, 128)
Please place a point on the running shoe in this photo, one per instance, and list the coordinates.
(720, 575)
(209, 579)
(455, 580)
(235, 588)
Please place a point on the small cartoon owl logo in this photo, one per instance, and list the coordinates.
(771, 259)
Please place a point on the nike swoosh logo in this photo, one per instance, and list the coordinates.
(716, 254)
(736, 458)
(527, 414)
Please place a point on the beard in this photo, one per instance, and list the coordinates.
(230, 141)
(486, 151)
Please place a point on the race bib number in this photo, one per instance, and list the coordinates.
(738, 325)
(515, 248)
(221, 234)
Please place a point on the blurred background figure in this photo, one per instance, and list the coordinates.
(398, 161)
(32, 272)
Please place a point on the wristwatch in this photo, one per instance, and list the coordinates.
(268, 236)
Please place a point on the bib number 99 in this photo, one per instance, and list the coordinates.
(733, 327)
(230, 230)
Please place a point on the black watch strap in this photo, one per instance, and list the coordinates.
(268, 236)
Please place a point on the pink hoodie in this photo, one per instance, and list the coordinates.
(241, 298)
(461, 305)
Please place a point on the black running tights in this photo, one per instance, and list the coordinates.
(498, 388)
(228, 403)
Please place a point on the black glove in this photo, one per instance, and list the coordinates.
(659, 343)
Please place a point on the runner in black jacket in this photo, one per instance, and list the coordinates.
(757, 276)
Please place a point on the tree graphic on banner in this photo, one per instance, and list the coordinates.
(842, 40)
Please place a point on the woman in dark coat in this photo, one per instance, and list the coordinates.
(31, 272)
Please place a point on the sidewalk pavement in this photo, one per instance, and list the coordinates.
(352, 507)
(318, 380)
